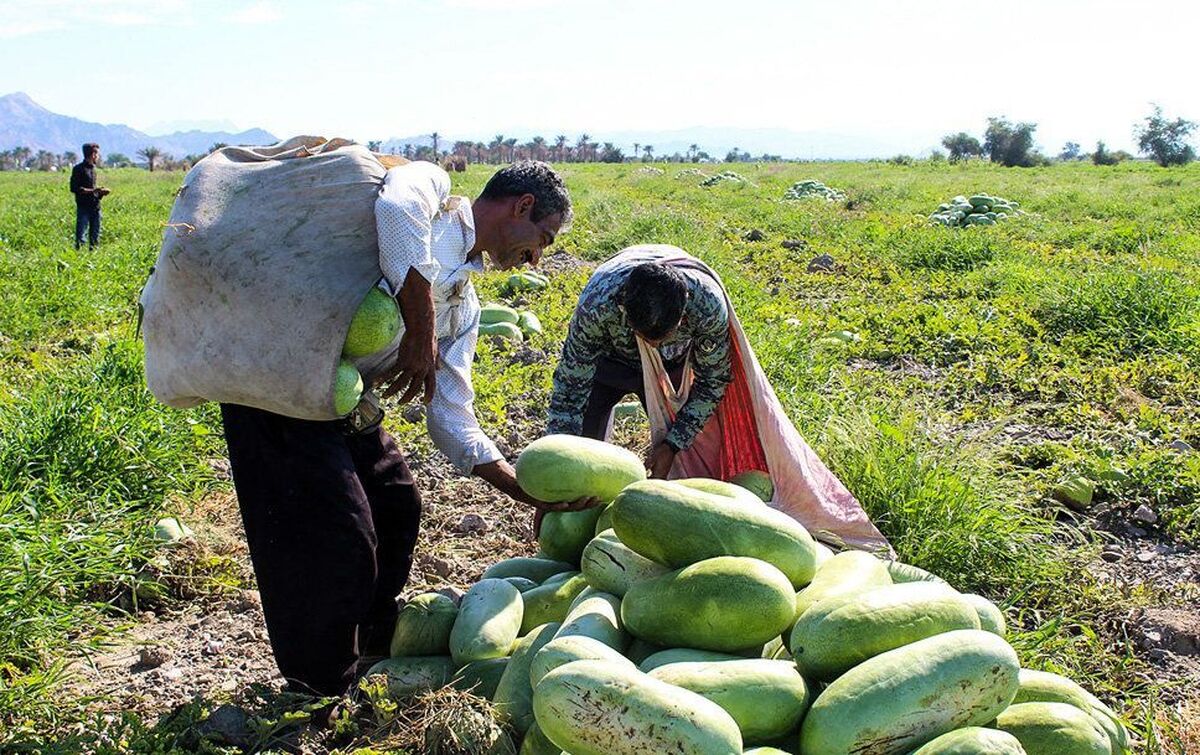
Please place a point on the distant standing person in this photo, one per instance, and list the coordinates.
(87, 196)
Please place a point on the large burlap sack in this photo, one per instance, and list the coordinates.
(267, 255)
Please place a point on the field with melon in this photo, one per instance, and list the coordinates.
(1015, 404)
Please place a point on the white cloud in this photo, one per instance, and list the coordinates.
(257, 13)
(20, 18)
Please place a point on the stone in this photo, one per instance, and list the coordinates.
(228, 724)
(822, 264)
(1111, 554)
(794, 244)
(1145, 514)
(472, 524)
(154, 656)
(754, 235)
(1181, 445)
(1146, 556)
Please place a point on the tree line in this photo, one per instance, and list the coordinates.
(1011, 144)
(1163, 140)
(152, 158)
(503, 150)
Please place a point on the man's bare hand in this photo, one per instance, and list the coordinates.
(659, 461)
(415, 369)
(502, 477)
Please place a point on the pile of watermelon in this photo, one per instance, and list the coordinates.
(725, 175)
(812, 189)
(525, 280)
(979, 209)
(506, 322)
(691, 617)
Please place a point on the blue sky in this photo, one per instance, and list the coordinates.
(381, 68)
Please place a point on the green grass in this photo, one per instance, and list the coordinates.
(1079, 321)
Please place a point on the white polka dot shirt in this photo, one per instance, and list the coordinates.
(420, 225)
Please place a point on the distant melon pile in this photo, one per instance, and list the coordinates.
(507, 322)
(691, 617)
(979, 209)
(812, 189)
(725, 175)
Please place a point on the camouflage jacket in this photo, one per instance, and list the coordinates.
(599, 329)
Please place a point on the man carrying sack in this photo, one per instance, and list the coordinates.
(330, 509)
(657, 322)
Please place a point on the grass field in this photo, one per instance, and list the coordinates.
(991, 364)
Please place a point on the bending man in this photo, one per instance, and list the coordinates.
(681, 312)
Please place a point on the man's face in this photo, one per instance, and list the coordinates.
(93, 157)
(521, 240)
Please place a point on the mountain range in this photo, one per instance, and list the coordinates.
(24, 123)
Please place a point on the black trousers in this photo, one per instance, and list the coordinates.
(87, 219)
(331, 520)
(612, 382)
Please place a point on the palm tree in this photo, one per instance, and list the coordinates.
(21, 155)
(67, 159)
(637, 148)
(497, 147)
(539, 148)
(434, 136)
(511, 143)
(581, 146)
(648, 150)
(479, 151)
(151, 154)
(560, 143)
(692, 150)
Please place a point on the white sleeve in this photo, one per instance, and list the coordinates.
(411, 196)
(451, 414)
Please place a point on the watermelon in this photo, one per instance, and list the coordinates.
(901, 699)
(603, 708)
(576, 647)
(846, 572)
(347, 388)
(972, 740)
(766, 698)
(506, 330)
(409, 676)
(726, 603)
(423, 626)
(550, 602)
(492, 313)
(717, 487)
(375, 324)
(488, 622)
(836, 634)
(564, 534)
(514, 694)
(481, 677)
(559, 468)
(611, 566)
(535, 569)
(1054, 729)
(675, 526)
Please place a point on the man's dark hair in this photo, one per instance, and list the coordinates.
(654, 296)
(88, 147)
(532, 177)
